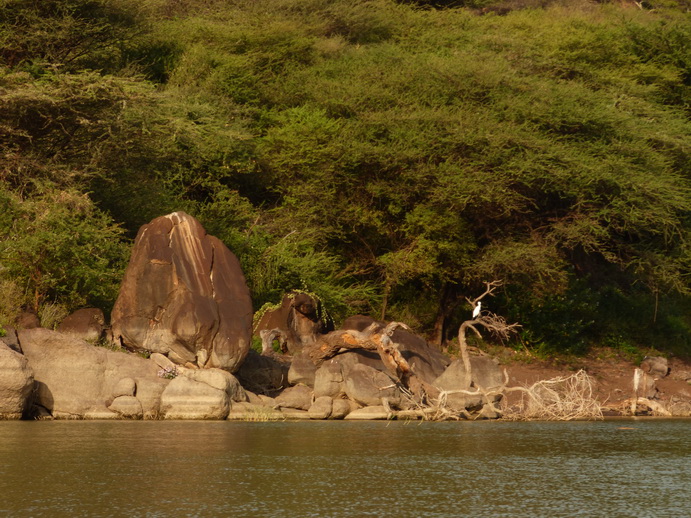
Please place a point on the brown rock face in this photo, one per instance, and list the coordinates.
(300, 319)
(86, 324)
(184, 295)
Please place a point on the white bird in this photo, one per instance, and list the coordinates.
(476, 311)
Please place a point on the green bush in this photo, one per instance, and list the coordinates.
(386, 157)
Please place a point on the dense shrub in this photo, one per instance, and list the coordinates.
(388, 157)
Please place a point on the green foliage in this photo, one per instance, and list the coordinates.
(256, 345)
(558, 323)
(58, 246)
(293, 263)
(385, 157)
(12, 300)
(71, 34)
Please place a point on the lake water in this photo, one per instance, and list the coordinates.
(294, 469)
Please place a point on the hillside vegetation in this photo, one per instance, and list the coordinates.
(389, 157)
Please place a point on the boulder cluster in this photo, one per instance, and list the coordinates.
(179, 347)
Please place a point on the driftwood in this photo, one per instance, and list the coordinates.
(564, 398)
(373, 338)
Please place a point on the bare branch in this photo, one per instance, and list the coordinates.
(490, 288)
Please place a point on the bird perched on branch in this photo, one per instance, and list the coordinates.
(476, 311)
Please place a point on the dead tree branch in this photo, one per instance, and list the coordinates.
(559, 399)
(490, 288)
(496, 325)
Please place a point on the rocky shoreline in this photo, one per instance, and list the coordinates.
(178, 347)
(58, 376)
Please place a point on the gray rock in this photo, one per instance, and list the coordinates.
(368, 386)
(340, 408)
(485, 373)
(454, 377)
(187, 398)
(648, 387)
(656, 366)
(328, 379)
(127, 406)
(321, 408)
(302, 370)
(299, 396)
(680, 408)
(125, 387)
(267, 401)
(253, 398)
(218, 379)
(184, 292)
(16, 383)
(369, 413)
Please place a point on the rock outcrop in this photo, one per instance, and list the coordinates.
(184, 295)
(369, 387)
(16, 383)
(485, 373)
(201, 394)
(75, 379)
(298, 397)
(296, 323)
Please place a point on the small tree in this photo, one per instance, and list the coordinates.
(492, 322)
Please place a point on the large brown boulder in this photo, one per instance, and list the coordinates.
(16, 383)
(76, 379)
(184, 295)
(299, 321)
(87, 324)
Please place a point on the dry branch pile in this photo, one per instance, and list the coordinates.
(563, 398)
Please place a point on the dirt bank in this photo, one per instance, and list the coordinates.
(612, 375)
